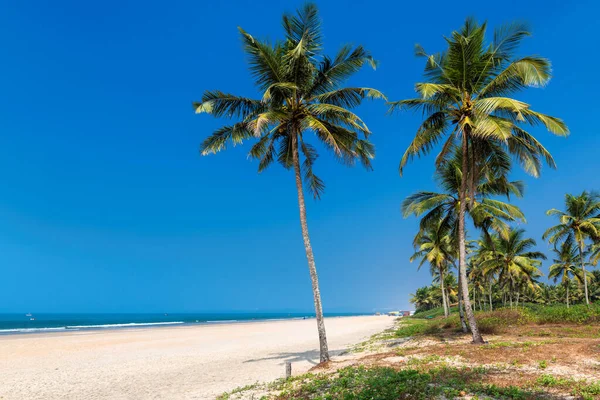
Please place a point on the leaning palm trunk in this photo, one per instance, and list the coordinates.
(585, 285)
(324, 351)
(490, 294)
(461, 310)
(444, 301)
(462, 249)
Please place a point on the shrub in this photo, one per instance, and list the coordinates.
(560, 314)
(366, 384)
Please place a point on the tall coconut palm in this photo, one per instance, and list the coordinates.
(434, 245)
(579, 223)
(565, 266)
(450, 285)
(486, 213)
(301, 96)
(518, 265)
(595, 253)
(464, 100)
(484, 248)
(424, 298)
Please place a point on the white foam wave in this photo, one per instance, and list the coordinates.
(225, 321)
(62, 328)
(123, 325)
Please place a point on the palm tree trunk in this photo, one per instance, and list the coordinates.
(567, 295)
(585, 285)
(324, 351)
(444, 302)
(461, 310)
(462, 248)
(491, 306)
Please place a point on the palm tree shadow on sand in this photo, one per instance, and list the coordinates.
(312, 356)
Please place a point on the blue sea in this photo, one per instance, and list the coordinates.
(32, 322)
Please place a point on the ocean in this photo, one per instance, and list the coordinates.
(46, 322)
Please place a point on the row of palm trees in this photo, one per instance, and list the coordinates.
(430, 297)
(466, 107)
(504, 269)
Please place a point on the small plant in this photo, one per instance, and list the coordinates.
(543, 364)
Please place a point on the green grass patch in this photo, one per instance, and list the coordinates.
(503, 319)
(434, 313)
(382, 383)
(575, 387)
(227, 395)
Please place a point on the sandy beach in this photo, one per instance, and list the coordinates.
(186, 362)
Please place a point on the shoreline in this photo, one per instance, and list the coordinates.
(151, 325)
(197, 361)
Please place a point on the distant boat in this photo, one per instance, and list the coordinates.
(28, 314)
(32, 319)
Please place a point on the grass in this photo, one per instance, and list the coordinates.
(529, 345)
(433, 313)
(505, 319)
(228, 395)
(360, 383)
(374, 342)
(573, 386)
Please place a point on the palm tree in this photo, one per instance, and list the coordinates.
(424, 298)
(595, 253)
(450, 285)
(517, 264)
(434, 245)
(463, 99)
(301, 94)
(486, 213)
(580, 222)
(485, 247)
(565, 266)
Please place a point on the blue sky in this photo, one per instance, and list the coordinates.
(106, 205)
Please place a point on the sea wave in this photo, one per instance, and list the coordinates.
(225, 321)
(62, 328)
(123, 325)
(79, 327)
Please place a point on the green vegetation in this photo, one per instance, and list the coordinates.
(433, 313)
(500, 320)
(573, 386)
(578, 224)
(488, 283)
(420, 382)
(241, 389)
(359, 383)
(464, 105)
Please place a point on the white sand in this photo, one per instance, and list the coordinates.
(187, 362)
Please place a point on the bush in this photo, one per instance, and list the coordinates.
(497, 321)
(366, 384)
(411, 327)
(434, 313)
(560, 314)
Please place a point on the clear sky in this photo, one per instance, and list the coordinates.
(106, 205)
